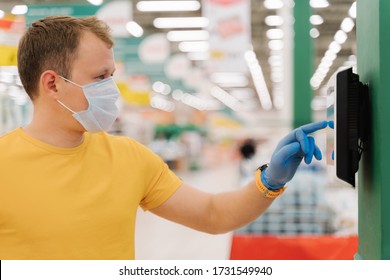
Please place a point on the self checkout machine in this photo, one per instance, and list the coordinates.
(348, 108)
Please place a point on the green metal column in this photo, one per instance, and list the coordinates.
(373, 53)
(303, 64)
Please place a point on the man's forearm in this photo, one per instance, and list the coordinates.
(232, 210)
(214, 213)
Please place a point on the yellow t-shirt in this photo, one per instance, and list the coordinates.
(76, 203)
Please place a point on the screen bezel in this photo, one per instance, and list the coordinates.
(346, 122)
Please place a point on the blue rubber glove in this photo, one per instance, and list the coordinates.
(297, 145)
(331, 125)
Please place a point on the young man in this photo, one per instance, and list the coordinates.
(71, 191)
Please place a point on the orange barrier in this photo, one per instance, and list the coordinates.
(313, 247)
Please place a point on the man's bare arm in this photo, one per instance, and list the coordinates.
(214, 213)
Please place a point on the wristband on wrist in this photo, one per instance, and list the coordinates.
(263, 189)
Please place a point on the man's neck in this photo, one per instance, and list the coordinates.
(55, 136)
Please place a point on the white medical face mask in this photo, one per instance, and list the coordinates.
(102, 110)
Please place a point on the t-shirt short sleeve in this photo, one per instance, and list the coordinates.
(161, 187)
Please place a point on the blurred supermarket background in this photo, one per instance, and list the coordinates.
(209, 86)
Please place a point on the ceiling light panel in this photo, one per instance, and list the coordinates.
(19, 9)
(347, 24)
(314, 33)
(96, 2)
(275, 33)
(316, 20)
(273, 4)
(352, 10)
(188, 35)
(197, 46)
(318, 4)
(274, 20)
(181, 22)
(134, 29)
(168, 6)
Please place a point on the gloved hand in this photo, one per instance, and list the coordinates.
(289, 154)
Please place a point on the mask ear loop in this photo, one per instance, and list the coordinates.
(66, 106)
(65, 79)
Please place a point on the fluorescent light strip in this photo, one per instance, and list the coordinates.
(188, 35)
(316, 20)
(199, 103)
(134, 29)
(198, 55)
(168, 6)
(160, 87)
(229, 77)
(19, 9)
(162, 104)
(274, 20)
(275, 34)
(276, 45)
(96, 2)
(347, 24)
(233, 84)
(196, 102)
(225, 98)
(258, 80)
(278, 98)
(275, 60)
(197, 46)
(340, 37)
(192, 101)
(273, 4)
(352, 10)
(319, 4)
(181, 22)
(334, 48)
(314, 33)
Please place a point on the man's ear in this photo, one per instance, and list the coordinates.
(49, 84)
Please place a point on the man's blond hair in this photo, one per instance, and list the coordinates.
(52, 43)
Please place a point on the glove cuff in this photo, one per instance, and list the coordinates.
(264, 179)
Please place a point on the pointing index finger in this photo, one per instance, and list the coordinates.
(313, 127)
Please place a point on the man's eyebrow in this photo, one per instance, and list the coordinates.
(107, 71)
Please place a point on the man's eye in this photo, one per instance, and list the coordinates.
(101, 77)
